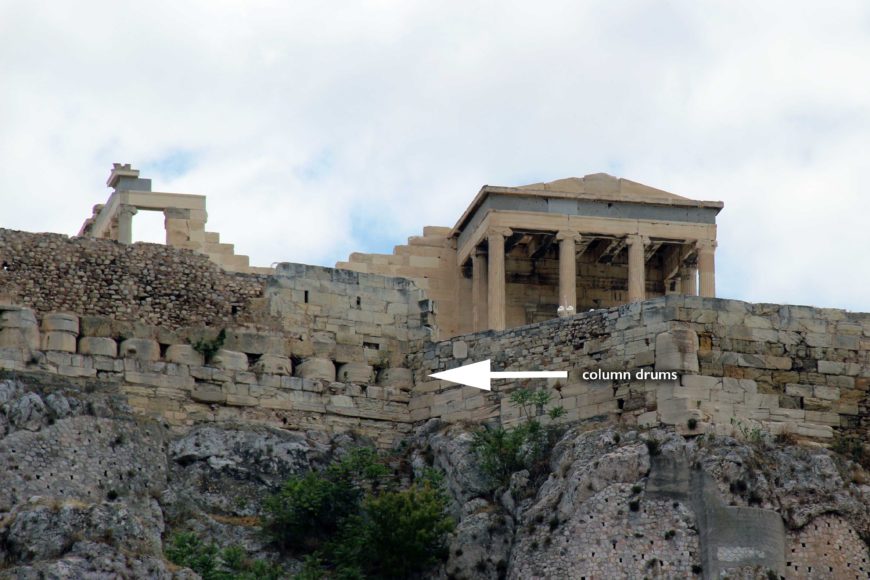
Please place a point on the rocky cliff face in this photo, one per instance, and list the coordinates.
(91, 490)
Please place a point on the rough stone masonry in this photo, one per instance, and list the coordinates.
(187, 341)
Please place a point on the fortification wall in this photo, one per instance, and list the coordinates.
(143, 283)
(174, 296)
(740, 366)
(347, 316)
(430, 261)
(178, 383)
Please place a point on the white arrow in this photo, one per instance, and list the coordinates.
(479, 375)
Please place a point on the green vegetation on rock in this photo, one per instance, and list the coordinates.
(503, 452)
(353, 521)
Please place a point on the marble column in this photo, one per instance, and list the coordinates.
(636, 267)
(496, 297)
(689, 280)
(479, 289)
(707, 267)
(567, 272)
(125, 223)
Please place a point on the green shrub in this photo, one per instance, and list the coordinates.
(404, 531)
(212, 563)
(503, 452)
(311, 508)
(354, 522)
(209, 348)
(853, 448)
(654, 446)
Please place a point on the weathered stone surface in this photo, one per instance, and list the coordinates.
(184, 354)
(59, 341)
(355, 373)
(396, 377)
(316, 368)
(26, 412)
(230, 360)
(274, 364)
(140, 348)
(98, 346)
(61, 321)
(206, 393)
(677, 350)
(18, 328)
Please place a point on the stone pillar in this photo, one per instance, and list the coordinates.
(185, 228)
(496, 297)
(567, 272)
(689, 280)
(125, 223)
(636, 267)
(479, 289)
(707, 267)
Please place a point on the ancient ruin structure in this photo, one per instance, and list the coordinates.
(520, 255)
(184, 214)
(574, 275)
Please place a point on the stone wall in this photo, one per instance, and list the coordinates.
(174, 295)
(741, 366)
(178, 383)
(826, 548)
(144, 283)
(347, 316)
(430, 261)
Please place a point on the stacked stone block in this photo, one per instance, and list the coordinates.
(177, 383)
(740, 366)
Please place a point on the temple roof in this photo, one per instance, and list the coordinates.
(596, 187)
(606, 185)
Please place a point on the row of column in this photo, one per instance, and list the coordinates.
(488, 275)
(183, 228)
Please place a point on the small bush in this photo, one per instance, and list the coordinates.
(692, 423)
(112, 495)
(209, 348)
(852, 448)
(669, 535)
(503, 452)
(404, 532)
(654, 446)
(636, 488)
(352, 517)
(697, 568)
(634, 505)
(310, 508)
(212, 563)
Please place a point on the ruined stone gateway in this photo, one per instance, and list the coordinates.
(580, 274)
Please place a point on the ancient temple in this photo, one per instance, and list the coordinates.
(520, 255)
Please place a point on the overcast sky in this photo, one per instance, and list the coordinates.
(321, 128)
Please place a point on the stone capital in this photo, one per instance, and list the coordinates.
(502, 231)
(125, 209)
(633, 239)
(706, 246)
(568, 235)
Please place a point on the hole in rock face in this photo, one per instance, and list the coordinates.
(305, 297)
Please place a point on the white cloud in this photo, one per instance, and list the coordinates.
(306, 122)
